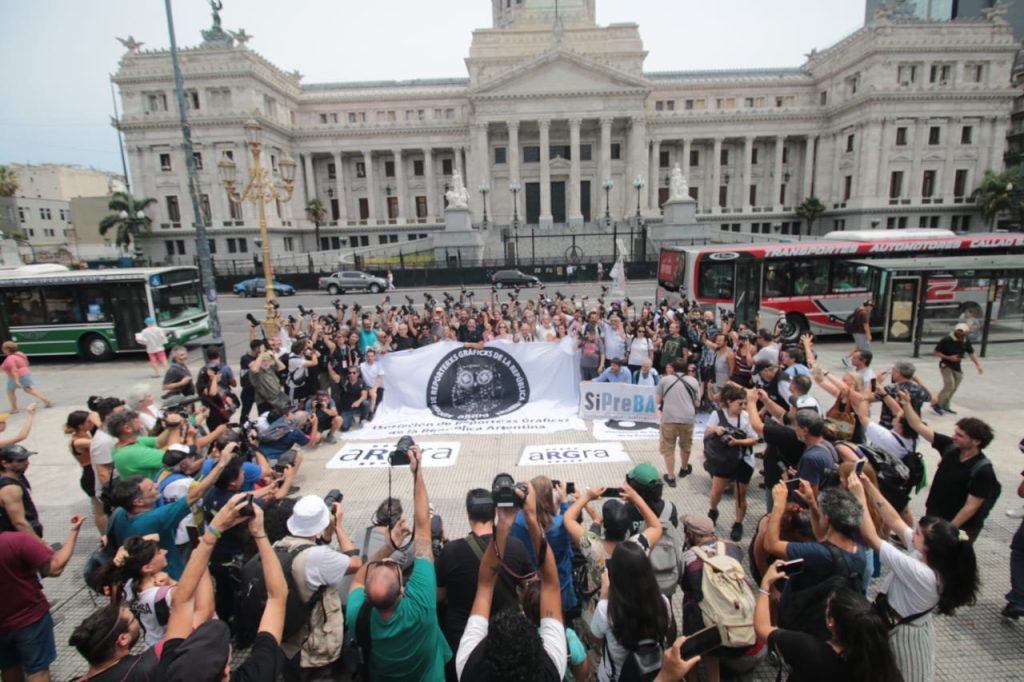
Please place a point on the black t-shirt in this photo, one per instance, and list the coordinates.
(347, 393)
(141, 668)
(466, 335)
(457, 571)
(950, 345)
(176, 373)
(784, 450)
(400, 342)
(810, 658)
(264, 663)
(953, 483)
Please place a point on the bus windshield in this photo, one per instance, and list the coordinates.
(177, 301)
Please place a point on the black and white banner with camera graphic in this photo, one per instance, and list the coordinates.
(505, 387)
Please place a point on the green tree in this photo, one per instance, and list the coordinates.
(810, 210)
(317, 214)
(8, 181)
(128, 218)
(1001, 193)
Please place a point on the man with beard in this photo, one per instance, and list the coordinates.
(106, 639)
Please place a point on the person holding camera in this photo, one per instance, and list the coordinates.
(265, 382)
(135, 453)
(729, 431)
(352, 396)
(406, 642)
(550, 504)
(178, 379)
(326, 412)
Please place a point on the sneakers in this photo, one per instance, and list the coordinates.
(329, 438)
(683, 473)
(949, 410)
(737, 532)
(1015, 513)
(937, 410)
(1011, 611)
(669, 481)
(846, 361)
(713, 515)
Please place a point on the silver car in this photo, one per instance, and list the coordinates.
(353, 280)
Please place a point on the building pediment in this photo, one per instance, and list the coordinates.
(560, 72)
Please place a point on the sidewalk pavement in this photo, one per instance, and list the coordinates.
(975, 643)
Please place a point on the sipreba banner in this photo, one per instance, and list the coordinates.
(604, 401)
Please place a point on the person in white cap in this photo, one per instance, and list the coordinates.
(317, 569)
(950, 351)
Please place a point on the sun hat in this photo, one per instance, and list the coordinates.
(309, 517)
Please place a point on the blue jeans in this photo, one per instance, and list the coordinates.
(349, 414)
(32, 647)
(1016, 594)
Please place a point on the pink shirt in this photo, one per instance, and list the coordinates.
(16, 364)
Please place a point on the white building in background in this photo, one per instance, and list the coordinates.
(892, 127)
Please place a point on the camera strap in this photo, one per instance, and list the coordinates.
(501, 561)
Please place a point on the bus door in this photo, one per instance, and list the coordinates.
(880, 293)
(130, 309)
(747, 291)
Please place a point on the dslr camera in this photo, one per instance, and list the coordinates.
(503, 491)
(332, 496)
(400, 455)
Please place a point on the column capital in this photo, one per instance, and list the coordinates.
(427, 151)
(575, 122)
(544, 123)
(606, 120)
(397, 151)
(512, 124)
(480, 126)
(780, 138)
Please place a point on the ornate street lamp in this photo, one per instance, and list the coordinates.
(515, 187)
(638, 183)
(484, 189)
(261, 190)
(607, 184)
(134, 223)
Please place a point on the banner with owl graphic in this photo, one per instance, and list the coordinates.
(504, 387)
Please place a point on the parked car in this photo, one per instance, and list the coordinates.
(258, 286)
(513, 278)
(352, 280)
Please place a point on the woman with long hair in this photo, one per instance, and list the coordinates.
(632, 608)
(79, 426)
(940, 573)
(549, 516)
(732, 402)
(857, 649)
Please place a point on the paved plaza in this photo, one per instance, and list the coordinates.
(975, 643)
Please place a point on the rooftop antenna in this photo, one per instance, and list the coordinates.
(559, 29)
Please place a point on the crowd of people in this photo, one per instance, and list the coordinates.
(209, 550)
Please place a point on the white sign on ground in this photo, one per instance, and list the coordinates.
(375, 455)
(572, 453)
(622, 429)
(601, 401)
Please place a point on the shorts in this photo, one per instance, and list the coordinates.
(159, 357)
(26, 382)
(861, 341)
(741, 474)
(32, 647)
(87, 481)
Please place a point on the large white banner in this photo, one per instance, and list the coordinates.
(503, 388)
(602, 401)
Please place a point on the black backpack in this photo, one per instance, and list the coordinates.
(980, 463)
(805, 610)
(896, 478)
(848, 325)
(720, 458)
(642, 664)
(252, 598)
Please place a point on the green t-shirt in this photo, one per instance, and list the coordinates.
(141, 458)
(671, 349)
(409, 646)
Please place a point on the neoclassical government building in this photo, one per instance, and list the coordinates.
(891, 127)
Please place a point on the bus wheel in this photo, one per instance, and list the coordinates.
(95, 347)
(792, 327)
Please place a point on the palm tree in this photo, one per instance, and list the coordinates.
(8, 181)
(999, 193)
(316, 213)
(810, 210)
(128, 218)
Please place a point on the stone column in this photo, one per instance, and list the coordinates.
(655, 172)
(575, 212)
(339, 189)
(546, 219)
(604, 169)
(513, 161)
(920, 130)
(836, 185)
(309, 180)
(428, 170)
(460, 165)
(808, 169)
(400, 181)
(684, 164)
(780, 143)
(638, 154)
(881, 188)
(867, 160)
(748, 169)
(481, 169)
(371, 188)
(716, 175)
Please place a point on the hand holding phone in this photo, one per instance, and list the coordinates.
(791, 568)
(246, 509)
(858, 467)
(701, 642)
(793, 485)
(612, 492)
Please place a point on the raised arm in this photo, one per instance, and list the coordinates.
(653, 529)
(55, 566)
(773, 535)
(571, 517)
(914, 419)
(421, 506)
(272, 620)
(196, 492)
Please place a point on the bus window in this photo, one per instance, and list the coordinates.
(810, 277)
(62, 305)
(850, 277)
(716, 280)
(24, 306)
(778, 280)
(177, 301)
(94, 303)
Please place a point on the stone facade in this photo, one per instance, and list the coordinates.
(891, 127)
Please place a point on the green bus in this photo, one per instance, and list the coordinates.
(50, 310)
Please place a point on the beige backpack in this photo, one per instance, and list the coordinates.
(728, 600)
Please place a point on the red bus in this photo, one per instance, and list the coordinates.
(815, 286)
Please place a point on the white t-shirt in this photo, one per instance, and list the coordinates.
(639, 350)
(884, 439)
(911, 585)
(552, 634)
(148, 420)
(769, 353)
(144, 606)
(867, 375)
(101, 452)
(748, 456)
(810, 402)
(174, 491)
(602, 627)
(325, 567)
(370, 373)
(153, 338)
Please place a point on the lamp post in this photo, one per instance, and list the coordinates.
(134, 222)
(515, 187)
(638, 183)
(607, 184)
(261, 190)
(484, 189)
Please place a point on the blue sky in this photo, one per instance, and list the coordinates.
(56, 91)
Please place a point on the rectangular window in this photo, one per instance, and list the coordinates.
(180, 245)
(849, 142)
(663, 161)
(901, 137)
(417, 167)
(351, 117)
(823, 98)
(192, 100)
(531, 154)
(232, 245)
(850, 277)
(173, 210)
(928, 184)
(323, 119)
(939, 73)
(723, 157)
(896, 185)
(156, 101)
(852, 84)
(688, 105)
(421, 207)
(748, 102)
(782, 194)
(364, 208)
(753, 156)
(24, 213)
(559, 151)
(389, 169)
(197, 159)
(449, 114)
(974, 73)
(695, 193)
(165, 162)
(169, 245)
(847, 187)
(213, 245)
(289, 244)
(934, 135)
(500, 156)
(586, 152)
(204, 206)
(446, 166)
(694, 157)
(332, 171)
(779, 101)
(906, 74)
(616, 151)
(360, 169)
(659, 105)
(716, 279)
(967, 135)
(960, 182)
(785, 154)
(753, 195)
(234, 209)
(723, 195)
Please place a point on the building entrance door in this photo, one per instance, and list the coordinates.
(558, 202)
(585, 200)
(532, 192)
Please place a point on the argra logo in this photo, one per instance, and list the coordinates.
(470, 384)
(724, 255)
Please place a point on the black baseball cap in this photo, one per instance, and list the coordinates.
(15, 453)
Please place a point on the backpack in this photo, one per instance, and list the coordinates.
(721, 459)
(275, 433)
(642, 664)
(666, 556)
(355, 652)
(252, 597)
(805, 610)
(848, 325)
(163, 479)
(895, 478)
(728, 600)
(297, 377)
(993, 497)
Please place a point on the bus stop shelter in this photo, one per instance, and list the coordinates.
(924, 297)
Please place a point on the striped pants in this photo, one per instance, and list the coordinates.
(913, 644)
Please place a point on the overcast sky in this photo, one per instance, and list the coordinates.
(59, 53)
